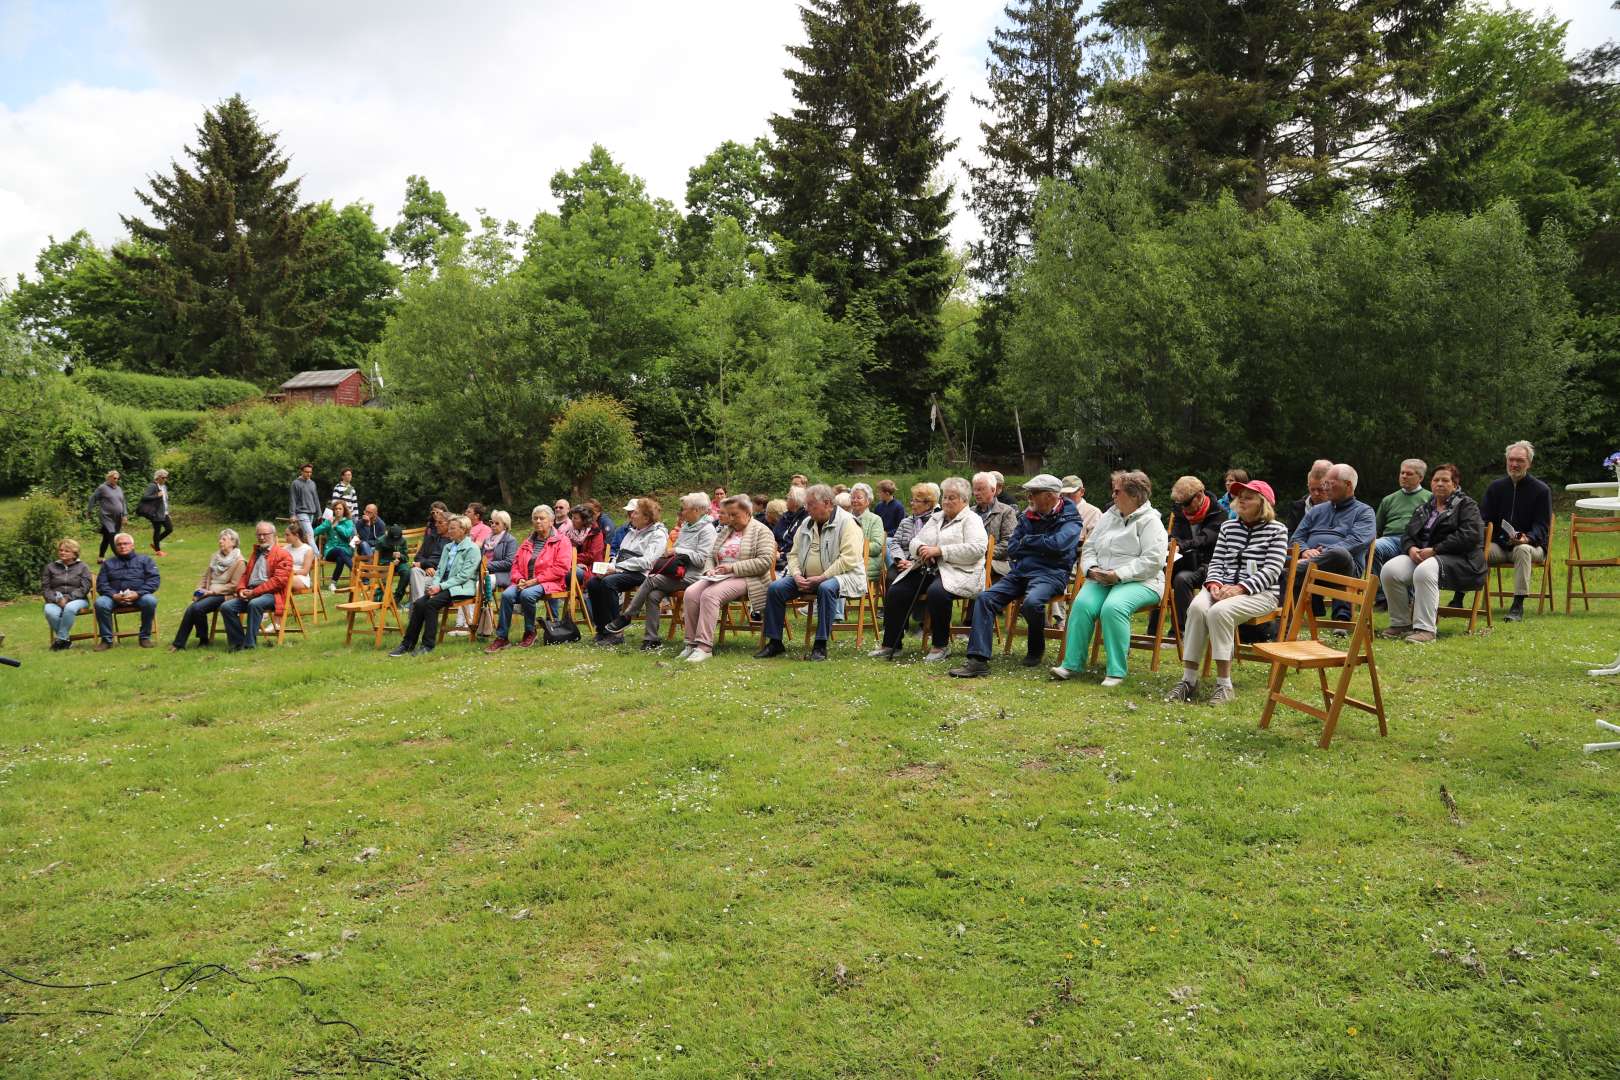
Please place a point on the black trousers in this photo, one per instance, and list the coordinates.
(1335, 561)
(904, 600)
(602, 593)
(424, 624)
(106, 543)
(195, 619)
(161, 527)
(1184, 585)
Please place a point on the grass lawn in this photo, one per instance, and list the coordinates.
(570, 859)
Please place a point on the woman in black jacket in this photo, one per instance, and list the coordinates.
(1444, 549)
(1195, 525)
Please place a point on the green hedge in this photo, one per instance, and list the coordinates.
(171, 427)
(56, 435)
(164, 392)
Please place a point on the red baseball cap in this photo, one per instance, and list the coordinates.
(1259, 487)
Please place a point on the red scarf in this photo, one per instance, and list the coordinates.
(1194, 517)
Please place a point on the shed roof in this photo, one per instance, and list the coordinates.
(305, 380)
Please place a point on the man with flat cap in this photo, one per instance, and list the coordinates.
(1041, 554)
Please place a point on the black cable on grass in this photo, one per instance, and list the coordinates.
(198, 973)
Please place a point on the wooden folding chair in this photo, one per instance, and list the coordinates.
(472, 607)
(290, 611)
(748, 621)
(1578, 563)
(1312, 654)
(1482, 595)
(1016, 606)
(1545, 600)
(1153, 642)
(371, 593)
(865, 612)
(1346, 625)
(1244, 650)
(573, 595)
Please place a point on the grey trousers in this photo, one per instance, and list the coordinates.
(1524, 558)
(652, 594)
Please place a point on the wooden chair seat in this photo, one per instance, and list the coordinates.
(1482, 595)
(1306, 653)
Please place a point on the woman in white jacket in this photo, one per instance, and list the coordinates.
(944, 562)
(1122, 563)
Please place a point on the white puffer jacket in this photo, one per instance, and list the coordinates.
(961, 542)
(1132, 546)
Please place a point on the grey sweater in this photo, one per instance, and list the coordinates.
(306, 498)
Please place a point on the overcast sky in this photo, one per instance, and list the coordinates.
(486, 102)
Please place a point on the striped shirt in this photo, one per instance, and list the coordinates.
(1252, 556)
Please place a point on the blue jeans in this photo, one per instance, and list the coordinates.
(777, 594)
(1037, 584)
(104, 615)
(1386, 549)
(61, 617)
(231, 612)
(528, 599)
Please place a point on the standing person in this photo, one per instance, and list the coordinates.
(220, 580)
(1243, 583)
(944, 562)
(129, 579)
(739, 563)
(1396, 509)
(1000, 519)
(304, 501)
(1443, 544)
(263, 590)
(369, 530)
(1520, 506)
(154, 507)
(1122, 565)
(694, 540)
(336, 539)
(642, 545)
(825, 563)
(344, 489)
(888, 507)
(539, 568)
(65, 585)
(109, 511)
(455, 578)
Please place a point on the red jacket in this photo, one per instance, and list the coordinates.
(549, 565)
(278, 564)
(592, 550)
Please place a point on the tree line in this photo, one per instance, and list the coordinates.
(1213, 235)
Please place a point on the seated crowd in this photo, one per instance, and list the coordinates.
(958, 545)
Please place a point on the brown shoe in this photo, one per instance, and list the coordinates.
(497, 645)
(103, 646)
(1419, 637)
(528, 639)
(1395, 633)
(146, 643)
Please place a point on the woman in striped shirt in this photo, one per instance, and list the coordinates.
(1244, 573)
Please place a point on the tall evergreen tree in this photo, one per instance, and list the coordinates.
(230, 258)
(1273, 97)
(1039, 93)
(852, 178)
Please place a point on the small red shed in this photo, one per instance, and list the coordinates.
(341, 386)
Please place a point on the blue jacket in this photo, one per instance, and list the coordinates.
(1349, 524)
(1046, 542)
(138, 573)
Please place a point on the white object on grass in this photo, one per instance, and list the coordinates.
(1594, 747)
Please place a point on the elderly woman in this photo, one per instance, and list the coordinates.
(335, 536)
(220, 581)
(787, 526)
(924, 501)
(739, 565)
(694, 540)
(539, 569)
(944, 562)
(109, 510)
(1195, 525)
(154, 507)
(1444, 549)
(641, 546)
(65, 585)
(500, 548)
(774, 509)
(455, 578)
(1244, 582)
(1122, 564)
(860, 507)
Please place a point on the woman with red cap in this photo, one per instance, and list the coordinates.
(1245, 572)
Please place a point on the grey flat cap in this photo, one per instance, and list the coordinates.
(1043, 482)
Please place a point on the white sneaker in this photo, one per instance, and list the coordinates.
(684, 653)
(1111, 681)
(1061, 674)
(1601, 671)
(936, 655)
(698, 656)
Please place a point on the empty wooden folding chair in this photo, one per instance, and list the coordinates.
(371, 593)
(1312, 654)
(1578, 562)
(291, 612)
(1482, 595)
(1152, 642)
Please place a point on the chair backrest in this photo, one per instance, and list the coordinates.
(1581, 525)
(368, 575)
(1331, 588)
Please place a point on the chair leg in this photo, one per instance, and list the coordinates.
(1336, 705)
(348, 637)
(1272, 687)
(1011, 623)
(1378, 692)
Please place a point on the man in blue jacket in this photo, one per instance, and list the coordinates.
(1334, 534)
(126, 579)
(1042, 553)
(1520, 506)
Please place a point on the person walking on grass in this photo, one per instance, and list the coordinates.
(109, 510)
(154, 507)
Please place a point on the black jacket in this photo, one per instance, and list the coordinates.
(1458, 539)
(151, 505)
(1196, 543)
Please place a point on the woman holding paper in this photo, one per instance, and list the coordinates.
(739, 564)
(638, 549)
(944, 562)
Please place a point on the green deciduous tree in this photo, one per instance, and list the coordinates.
(355, 280)
(592, 434)
(229, 257)
(85, 304)
(731, 182)
(852, 177)
(424, 221)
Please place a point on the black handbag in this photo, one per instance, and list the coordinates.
(558, 631)
(670, 566)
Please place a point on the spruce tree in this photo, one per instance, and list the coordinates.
(228, 256)
(1273, 97)
(1039, 96)
(852, 170)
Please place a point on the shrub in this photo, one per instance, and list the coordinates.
(164, 392)
(593, 434)
(30, 542)
(57, 435)
(171, 427)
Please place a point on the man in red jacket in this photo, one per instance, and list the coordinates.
(264, 587)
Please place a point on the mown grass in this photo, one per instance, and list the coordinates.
(580, 860)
